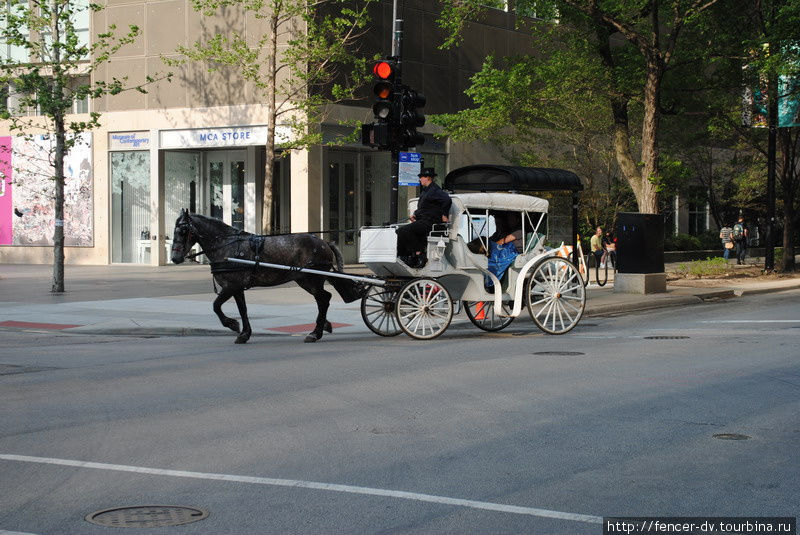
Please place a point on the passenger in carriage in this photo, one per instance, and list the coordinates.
(433, 207)
(509, 229)
(504, 245)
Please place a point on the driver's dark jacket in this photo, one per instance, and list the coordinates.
(433, 203)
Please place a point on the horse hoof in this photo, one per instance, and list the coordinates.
(242, 339)
(311, 338)
(328, 327)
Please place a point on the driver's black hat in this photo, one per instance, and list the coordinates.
(427, 171)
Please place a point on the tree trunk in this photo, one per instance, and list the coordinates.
(58, 163)
(58, 235)
(647, 192)
(272, 117)
(790, 150)
(788, 237)
(627, 164)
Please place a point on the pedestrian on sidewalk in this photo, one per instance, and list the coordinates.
(740, 234)
(726, 235)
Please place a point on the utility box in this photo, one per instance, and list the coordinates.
(640, 243)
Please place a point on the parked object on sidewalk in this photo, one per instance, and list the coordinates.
(221, 241)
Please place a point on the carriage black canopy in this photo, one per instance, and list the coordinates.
(511, 178)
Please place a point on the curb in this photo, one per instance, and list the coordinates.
(596, 310)
(602, 310)
(150, 331)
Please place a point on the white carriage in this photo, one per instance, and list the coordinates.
(421, 302)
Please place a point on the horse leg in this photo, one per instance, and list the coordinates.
(242, 306)
(323, 299)
(230, 323)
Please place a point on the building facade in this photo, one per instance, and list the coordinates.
(197, 142)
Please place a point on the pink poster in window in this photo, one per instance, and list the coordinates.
(6, 206)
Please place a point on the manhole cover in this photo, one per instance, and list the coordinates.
(560, 353)
(146, 516)
(666, 337)
(730, 436)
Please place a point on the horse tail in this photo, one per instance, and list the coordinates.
(338, 256)
(348, 290)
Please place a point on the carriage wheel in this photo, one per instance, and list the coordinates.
(481, 314)
(377, 311)
(424, 309)
(556, 295)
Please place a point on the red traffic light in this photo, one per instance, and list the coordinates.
(383, 70)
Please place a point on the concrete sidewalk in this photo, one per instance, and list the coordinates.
(176, 300)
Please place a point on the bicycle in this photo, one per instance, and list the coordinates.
(601, 268)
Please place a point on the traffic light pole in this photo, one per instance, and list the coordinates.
(397, 51)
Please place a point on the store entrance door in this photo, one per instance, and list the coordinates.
(342, 195)
(225, 176)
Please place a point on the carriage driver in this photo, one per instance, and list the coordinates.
(433, 207)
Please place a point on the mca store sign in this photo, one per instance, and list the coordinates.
(234, 136)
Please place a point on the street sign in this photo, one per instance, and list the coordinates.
(410, 166)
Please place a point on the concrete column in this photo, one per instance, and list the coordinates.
(306, 189)
(250, 221)
(157, 254)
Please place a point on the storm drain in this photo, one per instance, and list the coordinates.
(146, 516)
(560, 353)
(666, 337)
(730, 436)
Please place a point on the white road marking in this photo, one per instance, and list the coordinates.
(4, 532)
(431, 498)
(751, 321)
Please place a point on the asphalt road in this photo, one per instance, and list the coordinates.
(470, 433)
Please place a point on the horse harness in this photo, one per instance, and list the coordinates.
(255, 246)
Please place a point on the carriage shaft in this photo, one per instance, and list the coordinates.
(368, 280)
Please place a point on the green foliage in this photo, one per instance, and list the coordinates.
(682, 242)
(45, 81)
(320, 59)
(710, 267)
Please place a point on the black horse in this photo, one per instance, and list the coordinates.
(220, 241)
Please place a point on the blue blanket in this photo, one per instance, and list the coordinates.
(500, 257)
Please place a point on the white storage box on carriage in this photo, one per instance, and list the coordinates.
(377, 245)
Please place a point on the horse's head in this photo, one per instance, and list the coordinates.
(183, 238)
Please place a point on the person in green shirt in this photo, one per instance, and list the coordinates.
(596, 244)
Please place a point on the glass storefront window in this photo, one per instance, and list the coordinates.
(237, 194)
(130, 207)
(333, 200)
(349, 201)
(215, 172)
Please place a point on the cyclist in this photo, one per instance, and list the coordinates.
(596, 245)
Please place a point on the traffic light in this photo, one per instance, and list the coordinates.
(411, 118)
(385, 108)
(382, 132)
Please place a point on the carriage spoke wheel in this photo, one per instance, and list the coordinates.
(424, 309)
(556, 295)
(377, 310)
(481, 314)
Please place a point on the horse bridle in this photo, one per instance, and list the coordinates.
(192, 233)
